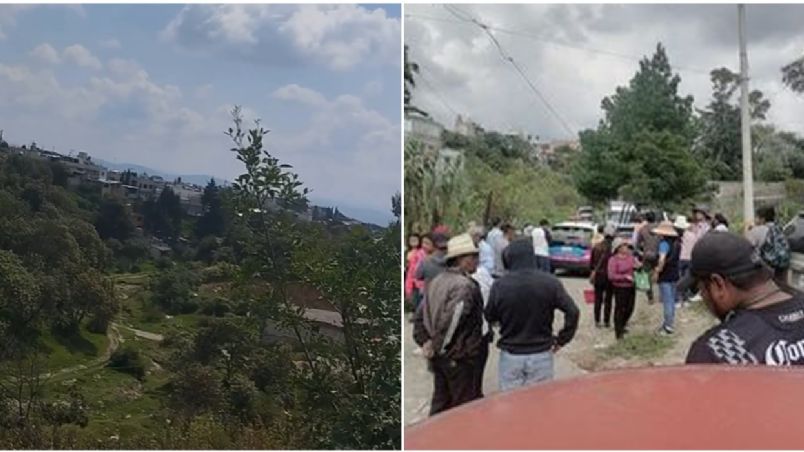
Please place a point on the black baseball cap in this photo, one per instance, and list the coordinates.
(721, 253)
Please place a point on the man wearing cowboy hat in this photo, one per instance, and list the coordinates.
(760, 323)
(666, 273)
(452, 320)
(523, 302)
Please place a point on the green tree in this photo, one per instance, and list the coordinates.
(174, 290)
(20, 307)
(720, 144)
(163, 216)
(213, 220)
(793, 75)
(644, 123)
(410, 70)
(114, 220)
(778, 154)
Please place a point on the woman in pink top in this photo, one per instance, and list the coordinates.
(621, 274)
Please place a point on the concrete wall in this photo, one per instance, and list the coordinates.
(768, 191)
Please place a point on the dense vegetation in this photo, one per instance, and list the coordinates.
(488, 182)
(110, 345)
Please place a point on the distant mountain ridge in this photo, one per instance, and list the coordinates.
(198, 179)
(370, 217)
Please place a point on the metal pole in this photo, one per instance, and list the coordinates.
(745, 123)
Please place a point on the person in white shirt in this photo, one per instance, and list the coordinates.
(509, 232)
(494, 235)
(478, 234)
(482, 274)
(541, 246)
(720, 223)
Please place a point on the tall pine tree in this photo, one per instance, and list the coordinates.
(213, 220)
(640, 151)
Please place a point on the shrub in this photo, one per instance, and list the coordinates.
(174, 291)
(217, 307)
(128, 360)
(163, 263)
(219, 272)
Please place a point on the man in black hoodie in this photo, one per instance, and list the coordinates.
(523, 302)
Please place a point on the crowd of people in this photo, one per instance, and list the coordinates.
(463, 286)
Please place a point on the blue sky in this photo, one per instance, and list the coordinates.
(153, 85)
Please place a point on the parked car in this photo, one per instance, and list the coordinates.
(625, 231)
(621, 213)
(571, 246)
(585, 213)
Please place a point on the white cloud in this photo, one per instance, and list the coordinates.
(81, 56)
(110, 43)
(343, 150)
(127, 102)
(294, 92)
(343, 35)
(46, 53)
(203, 91)
(8, 17)
(375, 88)
(340, 37)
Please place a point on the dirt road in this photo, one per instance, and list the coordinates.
(591, 350)
(115, 339)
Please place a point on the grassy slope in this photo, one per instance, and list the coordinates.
(119, 404)
(80, 348)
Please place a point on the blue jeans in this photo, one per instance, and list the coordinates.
(667, 293)
(684, 268)
(521, 370)
(543, 263)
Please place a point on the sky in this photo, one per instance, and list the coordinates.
(155, 84)
(575, 55)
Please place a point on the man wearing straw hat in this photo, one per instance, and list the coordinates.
(666, 273)
(453, 319)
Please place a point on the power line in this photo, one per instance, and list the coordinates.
(508, 58)
(524, 34)
(437, 93)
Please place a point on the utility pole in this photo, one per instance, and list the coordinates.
(745, 123)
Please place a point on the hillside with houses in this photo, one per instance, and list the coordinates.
(143, 313)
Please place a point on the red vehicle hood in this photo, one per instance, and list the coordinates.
(689, 407)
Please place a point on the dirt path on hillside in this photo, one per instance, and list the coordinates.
(145, 334)
(115, 339)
